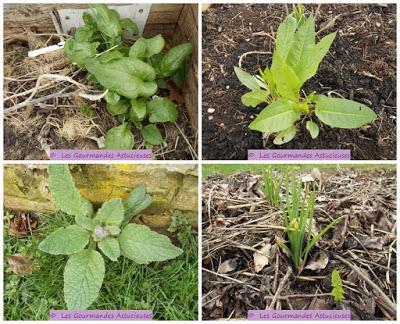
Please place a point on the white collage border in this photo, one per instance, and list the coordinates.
(200, 162)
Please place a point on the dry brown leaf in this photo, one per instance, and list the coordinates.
(339, 233)
(261, 258)
(174, 94)
(228, 266)
(22, 224)
(318, 262)
(374, 243)
(20, 264)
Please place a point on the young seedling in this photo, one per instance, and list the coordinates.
(107, 230)
(298, 215)
(131, 74)
(272, 187)
(295, 60)
(337, 286)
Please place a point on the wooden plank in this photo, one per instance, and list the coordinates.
(35, 17)
(187, 30)
(164, 13)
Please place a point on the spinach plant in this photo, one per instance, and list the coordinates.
(298, 215)
(107, 230)
(131, 74)
(296, 59)
(337, 286)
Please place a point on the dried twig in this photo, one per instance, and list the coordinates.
(280, 287)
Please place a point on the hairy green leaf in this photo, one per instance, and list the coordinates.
(119, 138)
(161, 110)
(255, 97)
(110, 213)
(143, 245)
(248, 80)
(342, 113)
(286, 135)
(276, 117)
(312, 128)
(110, 248)
(85, 222)
(137, 201)
(113, 230)
(66, 196)
(83, 277)
(337, 291)
(69, 240)
(151, 134)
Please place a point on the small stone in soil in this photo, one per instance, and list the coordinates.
(210, 110)
(210, 117)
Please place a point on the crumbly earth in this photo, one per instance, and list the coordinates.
(361, 65)
(237, 222)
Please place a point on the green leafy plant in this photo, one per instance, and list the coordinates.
(337, 286)
(298, 215)
(295, 60)
(130, 73)
(272, 186)
(107, 230)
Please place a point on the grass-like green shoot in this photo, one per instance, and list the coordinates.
(298, 213)
(272, 187)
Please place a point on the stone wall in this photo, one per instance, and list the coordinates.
(172, 187)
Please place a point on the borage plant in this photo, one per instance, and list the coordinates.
(296, 59)
(131, 75)
(107, 230)
(298, 214)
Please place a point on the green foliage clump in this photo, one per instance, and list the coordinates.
(131, 74)
(107, 230)
(295, 60)
(298, 215)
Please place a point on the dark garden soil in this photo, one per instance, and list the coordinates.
(56, 116)
(361, 65)
(237, 222)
